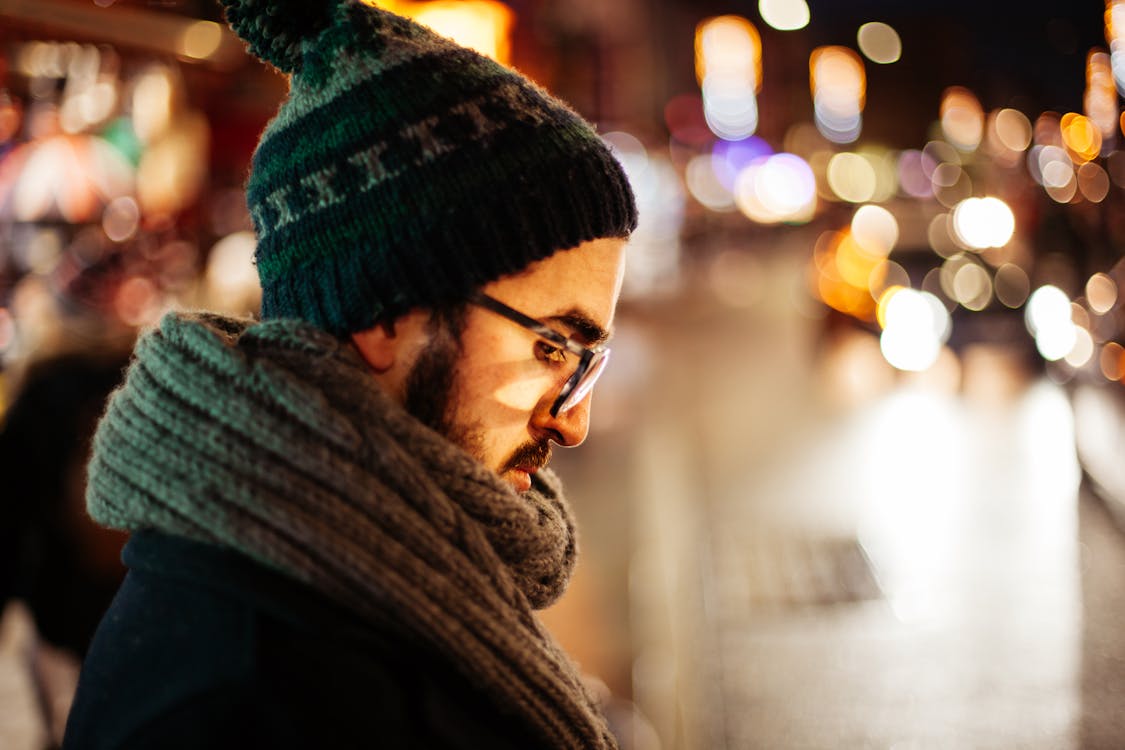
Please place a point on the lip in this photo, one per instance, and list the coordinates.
(521, 477)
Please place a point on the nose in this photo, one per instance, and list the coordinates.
(569, 428)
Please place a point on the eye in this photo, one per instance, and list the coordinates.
(549, 353)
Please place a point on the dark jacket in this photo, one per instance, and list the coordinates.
(203, 648)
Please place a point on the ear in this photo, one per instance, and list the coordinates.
(393, 342)
(378, 345)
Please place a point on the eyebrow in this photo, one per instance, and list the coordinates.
(579, 321)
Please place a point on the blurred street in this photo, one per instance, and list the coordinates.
(828, 555)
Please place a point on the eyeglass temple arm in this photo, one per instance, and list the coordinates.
(498, 307)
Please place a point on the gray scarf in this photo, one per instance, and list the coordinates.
(273, 439)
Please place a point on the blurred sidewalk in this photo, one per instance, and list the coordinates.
(1099, 416)
(824, 553)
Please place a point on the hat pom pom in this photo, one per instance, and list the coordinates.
(275, 29)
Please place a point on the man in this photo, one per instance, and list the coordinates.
(342, 514)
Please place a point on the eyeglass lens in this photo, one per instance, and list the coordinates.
(585, 383)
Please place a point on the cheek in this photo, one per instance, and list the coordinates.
(499, 418)
(521, 395)
(505, 384)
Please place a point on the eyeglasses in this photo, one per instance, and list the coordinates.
(591, 359)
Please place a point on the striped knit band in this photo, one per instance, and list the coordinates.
(405, 171)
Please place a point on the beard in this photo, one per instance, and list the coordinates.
(430, 391)
(431, 398)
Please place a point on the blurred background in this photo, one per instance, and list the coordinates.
(854, 478)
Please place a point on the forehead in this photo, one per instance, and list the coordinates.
(586, 279)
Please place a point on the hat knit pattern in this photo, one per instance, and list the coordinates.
(271, 439)
(405, 171)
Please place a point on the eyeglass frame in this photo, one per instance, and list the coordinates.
(590, 358)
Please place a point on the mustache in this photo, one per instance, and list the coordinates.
(531, 456)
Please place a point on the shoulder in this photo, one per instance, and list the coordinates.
(236, 655)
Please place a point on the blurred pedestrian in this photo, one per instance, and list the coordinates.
(58, 569)
(342, 515)
(63, 566)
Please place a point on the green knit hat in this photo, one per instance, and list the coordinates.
(405, 171)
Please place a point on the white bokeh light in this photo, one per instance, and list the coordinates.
(916, 327)
(784, 15)
(1048, 317)
(982, 223)
(1047, 307)
(778, 188)
(875, 229)
(705, 186)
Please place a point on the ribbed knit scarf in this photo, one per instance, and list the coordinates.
(274, 440)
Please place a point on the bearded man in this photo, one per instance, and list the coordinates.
(342, 518)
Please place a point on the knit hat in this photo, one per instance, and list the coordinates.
(405, 171)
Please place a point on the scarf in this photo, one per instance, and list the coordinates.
(273, 439)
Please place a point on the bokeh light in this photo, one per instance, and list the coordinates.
(951, 184)
(729, 158)
(884, 163)
(730, 106)
(962, 118)
(1047, 130)
(914, 170)
(1079, 316)
(705, 186)
(1009, 135)
(839, 89)
(1100, 99)
(884, 275)
(983, 222)
(1082, 350)
(784, 15)
(231, 278)
(1052, 168)
(1048, 318)
(686, 122)
(62, 176)
(632, 154)
(942, 238)
(138, 301)
(1012, 285)
(938, 153)
(853, 264)
(174, 167)
(1082, 139)
(201, 40)
(884, 297)
(843, 273)
(482, 25)
(916, 325)
(121, 218)
(879, 42)
(972, 287)
(851, 177)
(1093, 182)
(1111, 361)
(875, 230)
(1115, 35)
(153, 100)
(728, 66)
(778, 188)
(1101, 293)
